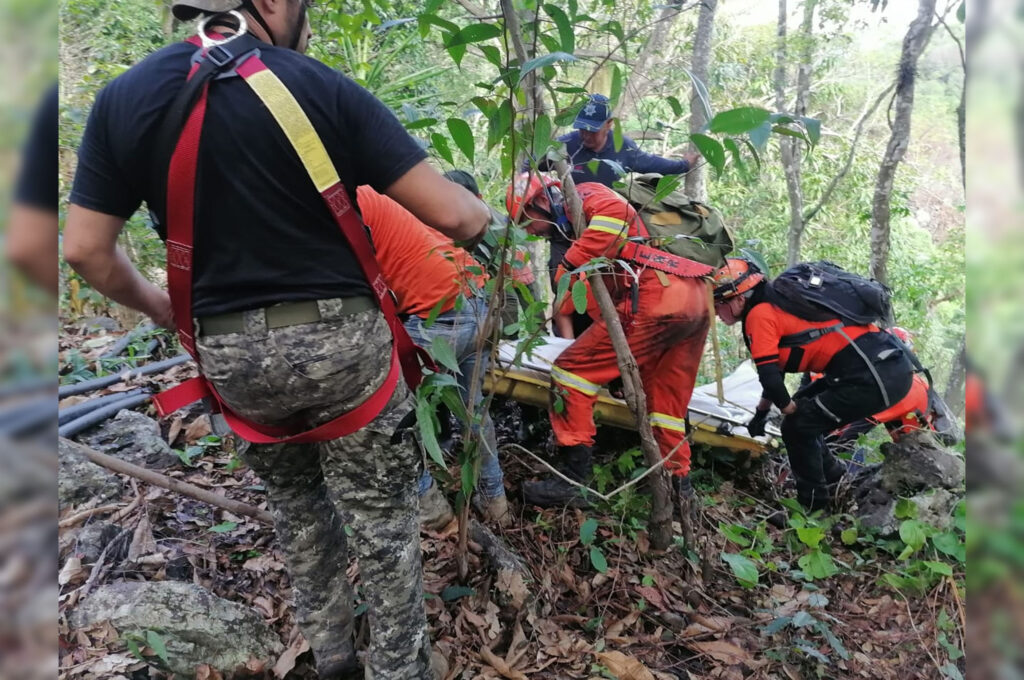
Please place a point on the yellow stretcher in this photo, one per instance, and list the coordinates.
(720, 425)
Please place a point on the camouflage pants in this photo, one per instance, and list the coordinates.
(308, 374)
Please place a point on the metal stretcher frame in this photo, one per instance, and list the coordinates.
(712, 424)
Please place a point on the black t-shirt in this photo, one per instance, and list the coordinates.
(37, 181)
(262, 232)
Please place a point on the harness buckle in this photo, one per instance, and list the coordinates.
(219, 56)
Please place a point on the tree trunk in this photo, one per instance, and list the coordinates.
(660, 525)
(654, 52)
(791, 148)
(954, 394)
(696, 179)
(913, 45)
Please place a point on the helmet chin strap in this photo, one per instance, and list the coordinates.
(251, 8)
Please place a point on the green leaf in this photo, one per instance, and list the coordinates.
(463, 136)
(472, 34)
(133, 647)
(442, 350)
(950, 544)
(541, 136)
(802, 619)
(440, 144)
(710, 149)
(737, 159)
(950, 670)
(905, 509)
(740, 120)
(735, 533)
(961, 12)
(427, 422)
(588, 530)
(817, 564)
(776, 625)
(452, 593)
(789, 132)
(566, 35)
(457, 52)
(563, 288)
(467, 475)
(597, 559)
(848, 536)
(617, 136)
(759, 135)
(616, 88)
(813, 127)
(743, 568)
(940, 568)
(579, 296)
(156, 641)
(666, 185)
(811, 536)
(546, 60)
(223, 527)
(677, 108)
(913, 533)
(421, 123)
(499, 123)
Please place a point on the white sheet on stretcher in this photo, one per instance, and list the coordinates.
(741, 387)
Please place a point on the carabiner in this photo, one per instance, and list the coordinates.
(208, 42)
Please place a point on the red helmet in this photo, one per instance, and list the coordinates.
(736, 277)
(904, 335)
(525, 190)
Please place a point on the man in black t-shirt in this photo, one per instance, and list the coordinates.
(287, 329)
(31, 240)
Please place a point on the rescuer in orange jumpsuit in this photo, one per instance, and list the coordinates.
(664, 316)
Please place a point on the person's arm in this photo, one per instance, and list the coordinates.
(640, 161)
(440, 203)
(31, 245)
(563, 325)
(763, 335)
(90, 247)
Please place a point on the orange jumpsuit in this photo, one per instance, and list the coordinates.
(666, 334)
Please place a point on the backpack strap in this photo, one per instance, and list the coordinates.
(181, 181)
(808, 336)
(661, 260)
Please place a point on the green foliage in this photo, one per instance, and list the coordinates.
(148, 646)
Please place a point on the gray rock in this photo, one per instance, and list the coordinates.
(918, 462)
(134, 437)
(80, 480)
(93, 538)
(197, 626)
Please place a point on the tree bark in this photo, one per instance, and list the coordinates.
(696, 179)
(954, 394)
(653, 52)
(881, 208)
(790, 148)
(660, 525)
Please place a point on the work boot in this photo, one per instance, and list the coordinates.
(438, 664)
(813, 497)
(435, 511)
(555, 491)
(340, 665)
(495, 511)
(833, 468)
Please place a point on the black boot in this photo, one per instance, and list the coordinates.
(555, 491)
(833, 468)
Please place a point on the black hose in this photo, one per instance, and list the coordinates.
(107, 381)
(99, 415)
(26, 386)
(26, 416)
(126, 340)
(66, 415)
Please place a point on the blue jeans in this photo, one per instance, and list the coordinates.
(460, 330)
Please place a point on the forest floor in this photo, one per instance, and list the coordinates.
(754, 600)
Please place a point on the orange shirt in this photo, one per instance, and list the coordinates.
(421, 266)
(766, 324)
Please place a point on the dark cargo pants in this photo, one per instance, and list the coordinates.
(848, 392)
(307, 374)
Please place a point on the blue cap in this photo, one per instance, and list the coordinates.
(593, 114)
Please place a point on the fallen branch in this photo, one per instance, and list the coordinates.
(163, 481)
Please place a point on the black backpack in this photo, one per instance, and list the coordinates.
(819, 291)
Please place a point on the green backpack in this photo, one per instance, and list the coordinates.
(678, 225)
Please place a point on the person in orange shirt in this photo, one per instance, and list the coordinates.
(664, 316)
(425, 270)
(865, 371)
